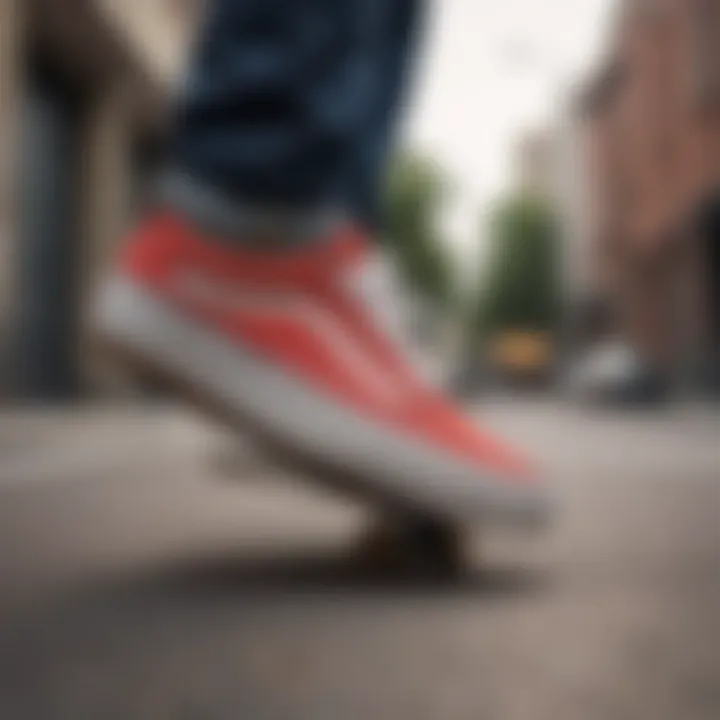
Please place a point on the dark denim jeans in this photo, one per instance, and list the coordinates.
(292, 102)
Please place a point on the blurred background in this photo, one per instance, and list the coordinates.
(554, 203)
(555, 206)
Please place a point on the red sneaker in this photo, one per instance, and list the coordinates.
(296, 347)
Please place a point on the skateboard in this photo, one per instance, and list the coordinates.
(398, 539)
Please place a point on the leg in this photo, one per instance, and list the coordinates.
(290, 107)
(371, 154)
(282, 94)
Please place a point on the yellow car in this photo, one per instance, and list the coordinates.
(523, 355)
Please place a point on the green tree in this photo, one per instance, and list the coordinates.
(521, 290)
(416, 192)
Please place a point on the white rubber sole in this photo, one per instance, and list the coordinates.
(344, 448)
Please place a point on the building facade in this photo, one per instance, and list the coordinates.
(536, 162)
(81, 108)
(651, 120)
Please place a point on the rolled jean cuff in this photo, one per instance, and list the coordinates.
(246, 222)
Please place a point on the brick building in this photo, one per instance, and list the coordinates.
(651, 138)
(82, 88)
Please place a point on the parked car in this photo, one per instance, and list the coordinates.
(614, 372)
(523, 357)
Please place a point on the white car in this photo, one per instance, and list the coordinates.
(615, 372)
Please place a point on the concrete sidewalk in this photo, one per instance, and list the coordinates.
(142, 578)
(48, 444)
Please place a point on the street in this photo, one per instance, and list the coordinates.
(153, 570)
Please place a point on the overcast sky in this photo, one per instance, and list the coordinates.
(488, 69)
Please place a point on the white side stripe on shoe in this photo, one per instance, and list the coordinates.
(385, 386)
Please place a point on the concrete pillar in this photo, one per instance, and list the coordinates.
(106, 204)
(12, 61)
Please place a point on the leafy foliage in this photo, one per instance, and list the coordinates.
(415, 194)
(522, 288)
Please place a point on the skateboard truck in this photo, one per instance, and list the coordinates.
(415, 546)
